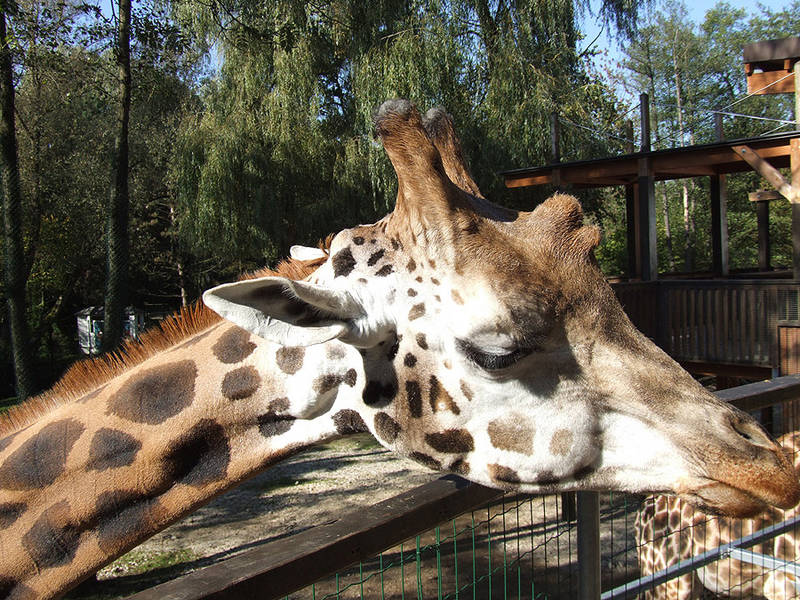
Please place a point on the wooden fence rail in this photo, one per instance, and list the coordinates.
(278, 568)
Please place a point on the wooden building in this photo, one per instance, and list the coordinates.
(720, 325)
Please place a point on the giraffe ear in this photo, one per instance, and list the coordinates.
(287, 312)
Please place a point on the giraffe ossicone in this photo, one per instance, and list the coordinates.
(469, 337)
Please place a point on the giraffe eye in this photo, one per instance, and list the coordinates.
(492, 361)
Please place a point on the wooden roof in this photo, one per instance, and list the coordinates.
(772, 50)
(677, 163)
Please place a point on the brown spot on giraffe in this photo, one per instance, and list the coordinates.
(54, 537)
(439, 397)
(10, 512)
(410, 360)
(112, 448)
(290, 359)
(386, 427)
(456, 297)
(199, 455)
(40, 460)
(459, 466)
(411, 265)
(546, 478)
(240, 383)
(414, 397)
(233, 346)
(451, 441)
(326, 383)
(271, 423)
(155, 394)
(343, 263)
(349, 421)
(375, 257)
(120, 514)
(422, 341)
(426, 459)
(384, 271)
(512, 433)
(503, 474)
(561, 442)
(465, 389)
(412, 292)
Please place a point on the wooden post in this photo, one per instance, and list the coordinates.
(762, 198)
(630, 210)
(644, 114)
(719, 225)
(648, 248)
(719, 215)
(762, 214)
(589, 565)
(795, 200)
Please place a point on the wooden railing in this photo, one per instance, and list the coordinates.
(714, 321)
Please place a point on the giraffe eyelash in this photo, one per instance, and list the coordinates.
(492, 361)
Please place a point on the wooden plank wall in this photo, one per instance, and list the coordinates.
(789, 341)
(723, 322)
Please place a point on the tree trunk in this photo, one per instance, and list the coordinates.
(117, 242)
(12, 217)
(687, 227)
(687, 213)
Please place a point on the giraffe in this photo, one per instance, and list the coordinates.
(669, 530)
(471, 338)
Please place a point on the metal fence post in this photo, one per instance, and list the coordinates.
(589, 545)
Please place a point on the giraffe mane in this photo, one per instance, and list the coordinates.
(89, 374)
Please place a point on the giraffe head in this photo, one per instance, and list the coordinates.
(491, 345)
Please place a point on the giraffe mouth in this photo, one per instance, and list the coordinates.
(722, 499)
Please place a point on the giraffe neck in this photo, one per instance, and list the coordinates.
(98, 475)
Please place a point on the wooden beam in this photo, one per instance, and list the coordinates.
(763, 196)
(727, 370)
(767, 171)
(515, 181)
(675, 164)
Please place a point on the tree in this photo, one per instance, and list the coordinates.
(283, 152)
(117, 219)
(14, 279)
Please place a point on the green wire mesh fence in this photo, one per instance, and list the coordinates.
(518, 547)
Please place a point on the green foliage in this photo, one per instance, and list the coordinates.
(283, 151)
